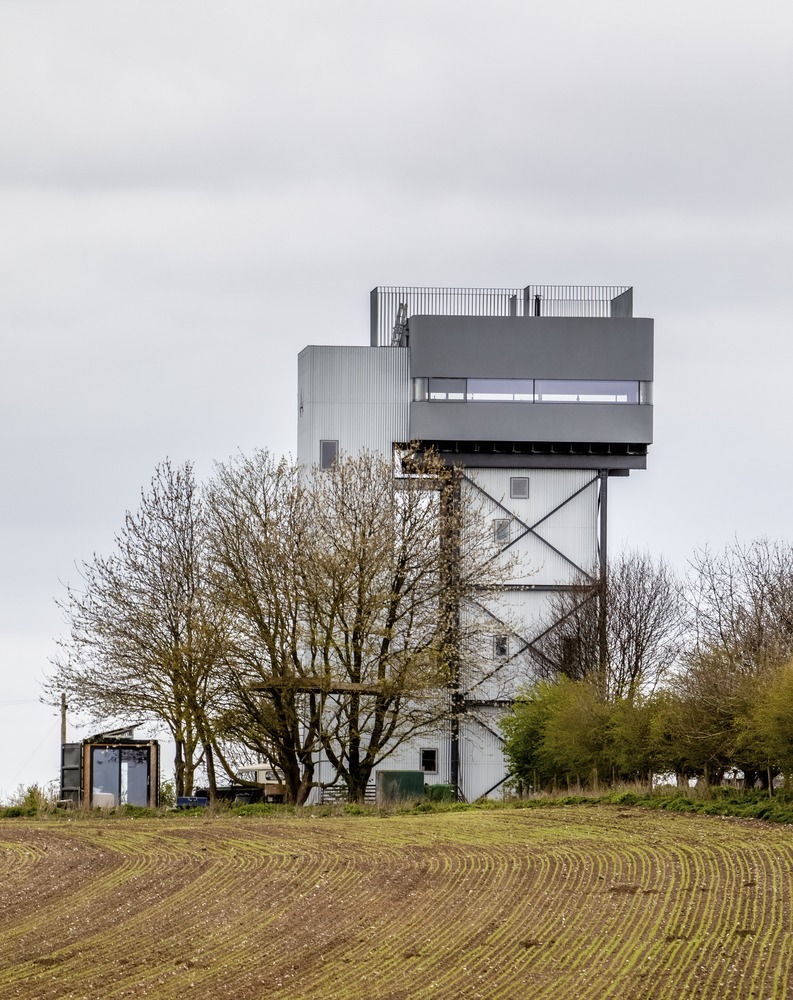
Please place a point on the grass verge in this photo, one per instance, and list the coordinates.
(717, 801)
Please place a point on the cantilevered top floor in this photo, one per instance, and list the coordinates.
(546, 376)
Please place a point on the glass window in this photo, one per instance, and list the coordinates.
(429, 760)
(134, 783)
(557, 390)
(328, 453)
(500, 647)
(105, 776)
(500, 390)
(519, 487)
(120, 776)
(449, 389)
(501, 531)
(541, 390)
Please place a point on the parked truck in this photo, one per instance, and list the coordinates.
(262, 784)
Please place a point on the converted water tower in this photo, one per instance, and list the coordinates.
(539, 395)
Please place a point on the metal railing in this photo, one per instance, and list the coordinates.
(392, 305)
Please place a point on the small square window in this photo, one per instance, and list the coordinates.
(500, 647)
(429, 760)
(501, 531)
(328, 453)
(519, 487)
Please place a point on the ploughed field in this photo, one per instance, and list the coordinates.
(553, 902)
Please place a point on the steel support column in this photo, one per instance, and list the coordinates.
(450, 505)
(603, 475)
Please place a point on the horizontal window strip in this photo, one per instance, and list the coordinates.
(540, 390)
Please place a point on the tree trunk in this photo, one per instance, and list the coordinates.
(209, 758)
(306, 779)
(179, 769)
(356, 785)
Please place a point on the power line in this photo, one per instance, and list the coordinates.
(35, 751)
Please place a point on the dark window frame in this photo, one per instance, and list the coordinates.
(323, 463)
(434, 752)
(501, 530)
(136, 753)
(500, 647)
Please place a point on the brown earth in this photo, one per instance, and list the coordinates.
(557, 903)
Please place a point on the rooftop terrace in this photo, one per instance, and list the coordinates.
(391, 306)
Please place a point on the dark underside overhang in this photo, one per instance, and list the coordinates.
(617, 458)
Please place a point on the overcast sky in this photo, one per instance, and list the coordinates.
(192, 192)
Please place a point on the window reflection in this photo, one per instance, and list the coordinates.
(119, 776)
(447, 388)
(585, 391)
(105, 776)
(500, 390)
(135, 776)
(541, 390)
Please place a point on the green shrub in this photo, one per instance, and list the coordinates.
(11, 812)
(250, 809)
(167, 794)
(355, 809)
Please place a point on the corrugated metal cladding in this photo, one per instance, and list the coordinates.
(407, 757)
(522, 613)
(521, 616)
(481, 756)
(548, 488)
(494, 681)
(357, 396)
(562, 509)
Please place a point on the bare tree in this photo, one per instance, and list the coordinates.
(284, 612)
(342, 591)
(741, 603)
(383, 587)
(261, 557)
(644, 628)
(143, 640)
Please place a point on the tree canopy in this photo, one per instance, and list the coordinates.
(284, 612)
(144, 640)
(694, 678)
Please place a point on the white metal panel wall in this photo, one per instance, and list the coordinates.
(408, 756)
(520, 616)
(357, 396)
(563, 512)
(482, 767)
(562, 509)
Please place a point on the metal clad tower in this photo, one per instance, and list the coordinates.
(540, 395)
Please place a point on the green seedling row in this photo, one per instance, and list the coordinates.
(557, 902)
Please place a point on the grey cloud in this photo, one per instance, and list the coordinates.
(190, 193)
(574, 105)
